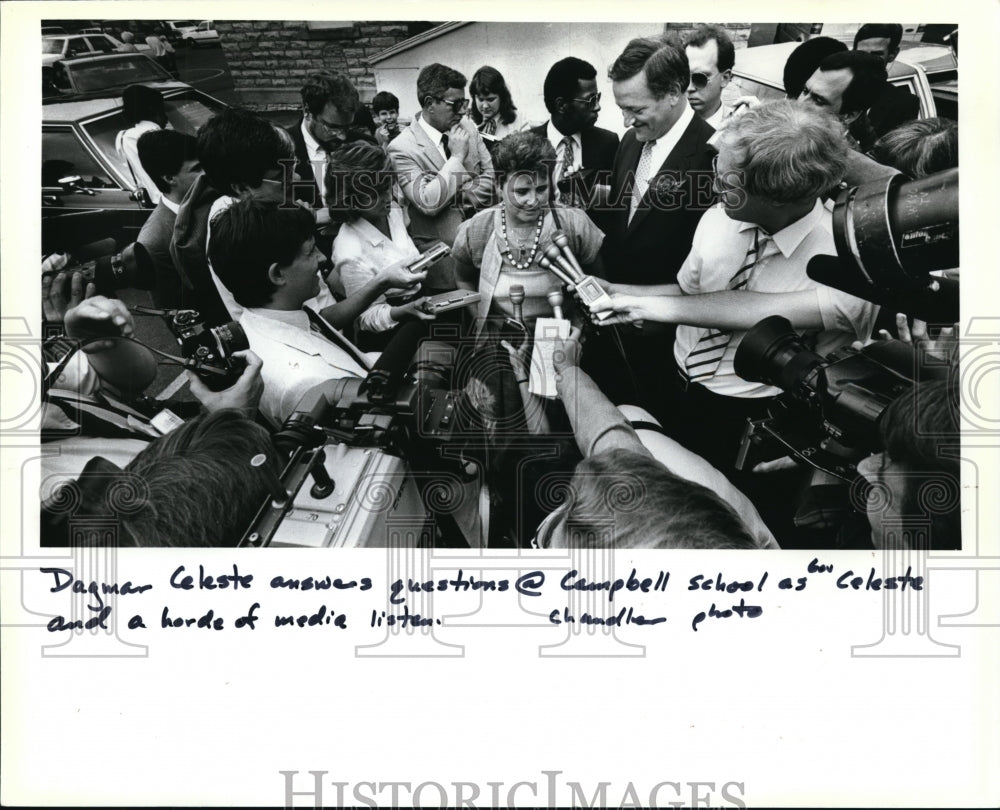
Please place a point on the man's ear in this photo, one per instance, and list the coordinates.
(850, 118)
(276, 275)
(726, 76)
(170, 180)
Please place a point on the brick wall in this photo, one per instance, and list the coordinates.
(269, 60)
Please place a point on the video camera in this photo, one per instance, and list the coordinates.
(374, 445)
(830, 412)
(893, 236)
(110, 271)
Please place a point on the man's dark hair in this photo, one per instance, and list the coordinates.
(191, 487)
(890, 31)
(238, 147)
(162, 152)
(200, 489)
(436, 79)
(867, 82)
(329, 87)
(914, 430)
(663, 62)
(141, 103)
(251, 235)
(561, 80)
(623, 499)
(384, 100)
(919, 148)
(701, 36)
(804, 60)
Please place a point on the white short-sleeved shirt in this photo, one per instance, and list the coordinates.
(360, 251)
(717, 252)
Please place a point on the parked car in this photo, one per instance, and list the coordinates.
(82, 172)
(176, 29)
(57, 47)
(919, 67)
(204, 34)
(95, 74)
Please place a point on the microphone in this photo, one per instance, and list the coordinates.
(544, 263)
(556, 257)
(560, 239)
(516, 295)
(383, 380)
(555, 298)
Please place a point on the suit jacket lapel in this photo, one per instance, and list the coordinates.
(677, 162)
(430, 149)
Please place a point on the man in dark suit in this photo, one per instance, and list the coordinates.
(170, 158)
(330, 107)
(661, 184)
(584, 152)
(895, 105)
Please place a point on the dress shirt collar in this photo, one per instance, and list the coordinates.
(433, 134)
(372, 235)
(169, 204)
(665, 143)
(313, 149)
(791, 236)
(715, 120)
(556, 137)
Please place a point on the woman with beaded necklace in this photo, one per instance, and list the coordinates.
(501, 246)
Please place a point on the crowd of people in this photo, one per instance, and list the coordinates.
(697, 224)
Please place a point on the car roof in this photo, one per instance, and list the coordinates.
(766, 63)
(59, 111)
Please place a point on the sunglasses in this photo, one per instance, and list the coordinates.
(590, 101)
(333, 129)
(457, 105)
(700, 81)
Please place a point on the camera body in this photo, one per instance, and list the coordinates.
(829, 414)
(210, 351)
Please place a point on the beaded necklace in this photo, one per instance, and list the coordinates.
(534, 247)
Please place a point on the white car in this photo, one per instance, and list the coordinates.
(66, 46)
(204, 34)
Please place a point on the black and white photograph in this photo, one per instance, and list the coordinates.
(417, 412)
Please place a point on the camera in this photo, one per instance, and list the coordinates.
(373, 447)
(894, 238)
(830, 411)
(210, 351)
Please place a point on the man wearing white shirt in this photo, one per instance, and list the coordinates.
(583, 150)
(711, 57)
(443, 167)
(329, 105)
(660, 186)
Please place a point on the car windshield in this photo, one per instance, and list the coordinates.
(742, 86)
(63, 155)
(88, 77)
(185, 23)
(53, 45)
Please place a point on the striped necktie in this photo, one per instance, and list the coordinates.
(642, 172)
(703, 361)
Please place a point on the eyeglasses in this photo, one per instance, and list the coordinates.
(700, 81)
(457, 105)
(590, 101)
(333, 129)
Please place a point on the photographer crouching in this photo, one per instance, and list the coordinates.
(120, 474)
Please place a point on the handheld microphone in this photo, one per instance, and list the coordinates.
(555, 298)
